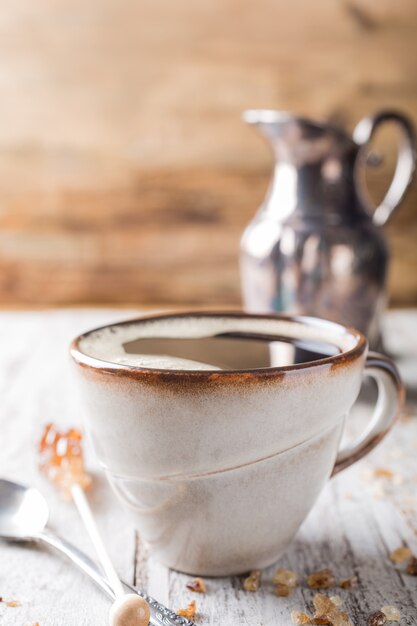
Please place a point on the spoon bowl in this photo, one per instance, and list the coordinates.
(23, 511)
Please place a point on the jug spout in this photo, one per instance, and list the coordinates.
(273, 125)
(269, 121)
(299, 139)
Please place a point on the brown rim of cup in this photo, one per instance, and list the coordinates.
(99, 365)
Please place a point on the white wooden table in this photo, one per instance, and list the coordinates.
(357, 522)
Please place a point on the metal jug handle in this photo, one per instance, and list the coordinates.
(406, 161)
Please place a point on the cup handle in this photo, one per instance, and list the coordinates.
(406, 162)
(388, 404)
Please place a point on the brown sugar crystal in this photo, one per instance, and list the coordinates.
(322, 579)
(197, 585)
(285, 577)
(252, 582)
(298, 618)
(348, 583)
(282, 590)
(403, 553)
(189, 612)
(340, 618)
(285, 580)
(412, 566)
(61, 458)
(335, 618)
(383, 472)
(323, 605)
(378, 618)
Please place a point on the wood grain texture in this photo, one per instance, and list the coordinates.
(356, 523)
(126, 174)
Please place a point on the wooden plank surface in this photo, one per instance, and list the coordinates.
(126, 174)
(355, 524)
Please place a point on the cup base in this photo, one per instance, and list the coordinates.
(214, 571)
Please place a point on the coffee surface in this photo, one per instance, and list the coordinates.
(194, 343)
(227, 353)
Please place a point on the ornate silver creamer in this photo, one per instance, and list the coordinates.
(316, 246)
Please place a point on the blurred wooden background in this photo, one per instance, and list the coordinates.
(126, 174)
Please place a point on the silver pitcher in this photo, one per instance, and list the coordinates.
(316, 245)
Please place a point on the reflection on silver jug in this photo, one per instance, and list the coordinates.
(315, 247)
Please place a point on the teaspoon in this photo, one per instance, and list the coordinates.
(24, 514)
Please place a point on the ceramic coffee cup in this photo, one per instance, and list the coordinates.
(220, 467)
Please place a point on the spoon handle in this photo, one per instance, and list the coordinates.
(80, 500)
(160, 614)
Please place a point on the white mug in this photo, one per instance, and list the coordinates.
(220, 467)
